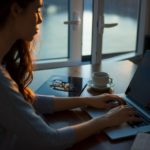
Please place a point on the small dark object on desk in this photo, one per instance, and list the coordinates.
(97, 92)
(64, 86)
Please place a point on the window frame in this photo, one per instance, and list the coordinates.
(97, 55)
(75, 53)
(74, 41)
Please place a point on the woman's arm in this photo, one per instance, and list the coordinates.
(31, 132)
(50, 104)
(65, 103)
(100, 101)
(114, 117)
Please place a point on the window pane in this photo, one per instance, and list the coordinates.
(87, 28)
(53, 40)
(122, 37)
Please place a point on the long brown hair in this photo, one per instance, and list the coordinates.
(18, 60)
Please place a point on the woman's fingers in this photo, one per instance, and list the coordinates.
(115, 98)
(120, 100)
(125, 110)
(123, 113)
(132, 115)
(114, 103)
(134, 120)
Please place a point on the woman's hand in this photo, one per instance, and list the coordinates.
(104, 101)
(121, 114)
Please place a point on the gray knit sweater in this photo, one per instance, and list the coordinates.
(21, 128)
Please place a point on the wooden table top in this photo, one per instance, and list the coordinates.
(121, 72)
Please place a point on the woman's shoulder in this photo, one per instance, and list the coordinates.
(4, 75)
(6, 81)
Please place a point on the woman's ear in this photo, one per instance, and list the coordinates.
(16, 10)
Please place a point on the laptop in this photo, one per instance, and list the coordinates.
(137, 95)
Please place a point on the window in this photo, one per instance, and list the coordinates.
(61, 33)
(87, 27)
(119, 27)
(75, 29)
(53, 40)
(123, 36)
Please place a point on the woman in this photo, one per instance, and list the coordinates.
(20, 125)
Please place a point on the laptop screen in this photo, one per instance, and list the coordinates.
(139, 87)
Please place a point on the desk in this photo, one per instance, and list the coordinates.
(121, 72)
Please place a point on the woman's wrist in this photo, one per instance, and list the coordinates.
(103, 121)
(85, 101)
(100, 123)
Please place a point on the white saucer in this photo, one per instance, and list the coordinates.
(107, 87)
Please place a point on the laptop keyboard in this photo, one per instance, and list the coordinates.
(144, 122)
(138, 124)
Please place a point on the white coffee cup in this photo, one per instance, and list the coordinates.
(101, 79)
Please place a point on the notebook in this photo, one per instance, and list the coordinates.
(65, 86)
(137, 95)
(141, 142)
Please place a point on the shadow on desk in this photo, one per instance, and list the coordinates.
(96, 142)
(101, 142)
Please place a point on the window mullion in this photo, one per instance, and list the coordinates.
(75, 40)
(97, 31)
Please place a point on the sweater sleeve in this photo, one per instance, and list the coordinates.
(19, 118)
(44, 104)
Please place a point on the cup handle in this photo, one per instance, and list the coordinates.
(110, 80)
